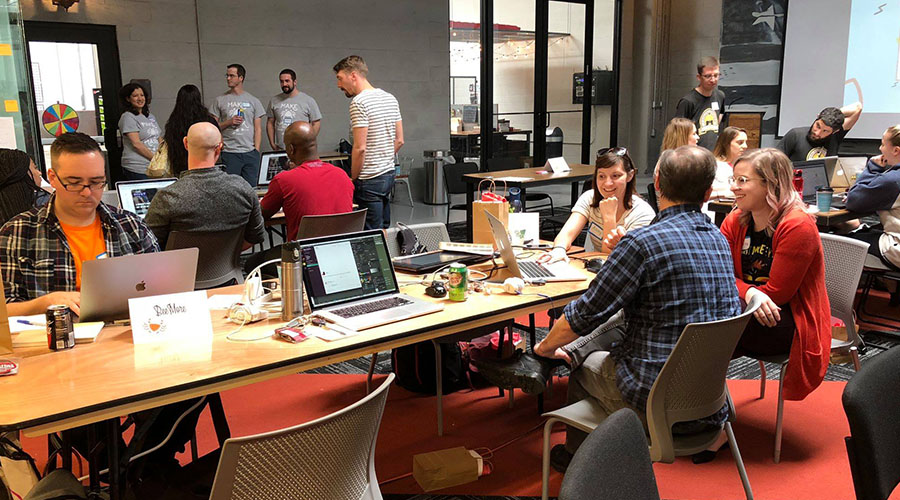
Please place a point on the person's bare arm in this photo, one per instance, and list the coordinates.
(358, 155)
(40, 304)
(561, 334)
(270, 131)
(316, 125)
(257, 133)
(135, 139)
(572, 228)
(398, 136)
(851, 113)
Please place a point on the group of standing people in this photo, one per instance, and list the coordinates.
(375, 122)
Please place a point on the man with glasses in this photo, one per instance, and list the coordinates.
(239, 115)
(704, 104)
(42, 250)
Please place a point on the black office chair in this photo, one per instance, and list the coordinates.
(498, 164)
(872, 402)
(651, 197)
(454, 183)
(314, 226)
(219, 262)
(613, 462)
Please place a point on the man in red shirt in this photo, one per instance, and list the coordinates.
(312, 187)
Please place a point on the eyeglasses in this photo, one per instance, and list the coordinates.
(618, 151)
(710, 76)
(77, 188)
(743, 179)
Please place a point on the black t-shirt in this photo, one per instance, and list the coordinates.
(756, 257)
(797, 147)
(704, 112)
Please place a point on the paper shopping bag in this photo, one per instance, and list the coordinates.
(445, 468)
(481, 228)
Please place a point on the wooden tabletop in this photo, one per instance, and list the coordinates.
(532, 176)
(113, 377)
(823, 219)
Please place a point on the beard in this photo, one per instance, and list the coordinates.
(816, 142)
(286, 89)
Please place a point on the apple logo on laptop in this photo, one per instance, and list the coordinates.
(140, 286)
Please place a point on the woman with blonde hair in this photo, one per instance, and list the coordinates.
(679, 132)
(777, 252)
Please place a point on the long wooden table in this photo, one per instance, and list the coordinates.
(524, 178)
(823, 219)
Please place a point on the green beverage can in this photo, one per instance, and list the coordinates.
(459, 282)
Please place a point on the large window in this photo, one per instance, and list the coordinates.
(17, 127)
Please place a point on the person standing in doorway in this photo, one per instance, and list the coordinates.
(704, 104)
(288, 107)
(239, 115)
(377, 131)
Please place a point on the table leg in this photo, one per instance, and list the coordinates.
(470, 199)
(116, 473)
(66, 450)
(575, 193)
(220, 423)
(93, 455)
(439, 386)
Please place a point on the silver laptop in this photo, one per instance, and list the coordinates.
(530, 270)
(270, 164)
(350, 280)
(135, 196)
(107, 284)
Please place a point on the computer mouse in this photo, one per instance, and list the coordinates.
(594, 265)
(436, 290)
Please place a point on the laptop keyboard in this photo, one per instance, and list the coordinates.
(535, 270)
(370, 307)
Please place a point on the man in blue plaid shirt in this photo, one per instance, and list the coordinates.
(677, 270)
(42, 250)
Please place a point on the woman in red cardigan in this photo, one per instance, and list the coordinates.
(777, 251)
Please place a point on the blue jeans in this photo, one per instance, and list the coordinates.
(133, 176)
(375, 195)
(244, 164)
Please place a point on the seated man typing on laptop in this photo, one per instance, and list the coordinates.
(205, 197)
(42, 250)
(663, 276)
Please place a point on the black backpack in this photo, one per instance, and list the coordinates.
(414, 367)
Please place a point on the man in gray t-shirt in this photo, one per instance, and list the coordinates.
(288, 107)
(239, 115)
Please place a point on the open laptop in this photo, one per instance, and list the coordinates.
(530, 270)
(135, 196)
(845, 171)
(270, 164)
(349, 279)
(107, 284)
(815, 175)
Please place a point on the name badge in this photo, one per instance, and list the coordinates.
(714, 105)
(746, 245)
(177, 316)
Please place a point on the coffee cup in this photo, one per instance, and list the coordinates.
(823, 198)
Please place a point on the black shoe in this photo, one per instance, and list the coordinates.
(524, 371)
(706, 455)
(560, 458)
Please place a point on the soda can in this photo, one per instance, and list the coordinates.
(60, 330)
(458, 282)
(240, 112)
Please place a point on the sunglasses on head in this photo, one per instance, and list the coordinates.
(618, 151)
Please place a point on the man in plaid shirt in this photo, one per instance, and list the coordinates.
(42, 250)
(663, 276)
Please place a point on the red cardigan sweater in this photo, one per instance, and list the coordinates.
(797, 277)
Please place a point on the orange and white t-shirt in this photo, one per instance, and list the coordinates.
(86, 243)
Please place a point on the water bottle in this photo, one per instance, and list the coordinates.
(515, 200)
(798, 181)
(291, 281)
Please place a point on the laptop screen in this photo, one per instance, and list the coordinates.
(347, 267)
(135, 196)
(269, 165)
(814, 176)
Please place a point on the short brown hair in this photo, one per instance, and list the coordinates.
(685, 174)
(707, 62)
(608, 159)
(72, 143)
(352, 63)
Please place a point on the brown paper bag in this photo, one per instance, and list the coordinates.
(444, 468)
(481, 228)
(5, 336)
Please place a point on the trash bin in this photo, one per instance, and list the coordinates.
(435, 192)
(554, 142)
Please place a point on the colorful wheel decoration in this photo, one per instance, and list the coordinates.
(59, 119)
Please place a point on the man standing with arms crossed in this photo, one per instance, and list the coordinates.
(288, 107)
(238, 114)
(377, 132)
(704, 104)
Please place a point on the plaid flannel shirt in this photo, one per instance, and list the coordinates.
(677, 270)
(35, 258)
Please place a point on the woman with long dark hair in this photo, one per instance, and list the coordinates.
(20, 183)
(189, 109)
(139, 129)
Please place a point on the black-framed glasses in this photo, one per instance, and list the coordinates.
(77, 188)
(618, 151)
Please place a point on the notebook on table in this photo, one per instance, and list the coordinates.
(530, 270)
(135, 196)
(349, 280)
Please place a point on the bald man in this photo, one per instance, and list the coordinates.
(205, 197)
(313, 187)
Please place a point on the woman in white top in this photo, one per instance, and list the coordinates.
(609, 209)
(731, 144)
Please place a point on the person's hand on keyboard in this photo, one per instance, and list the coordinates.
(554, 255)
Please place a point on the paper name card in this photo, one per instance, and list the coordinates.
(557, 165)
(178, 316)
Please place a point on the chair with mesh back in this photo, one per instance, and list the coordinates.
(499, 164)
(314, 226)
(218, 262)
(429, 234)
(876, 270)
(328, 458)
(690, 386)
(401, 174)
(454, 183)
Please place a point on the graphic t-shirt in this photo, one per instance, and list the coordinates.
(704, 112)
(756, 257)
(237, 139)
(85, 243)
(148, 132)
(797, 147)
(287, 109)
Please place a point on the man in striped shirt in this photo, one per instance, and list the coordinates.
(377, 132)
